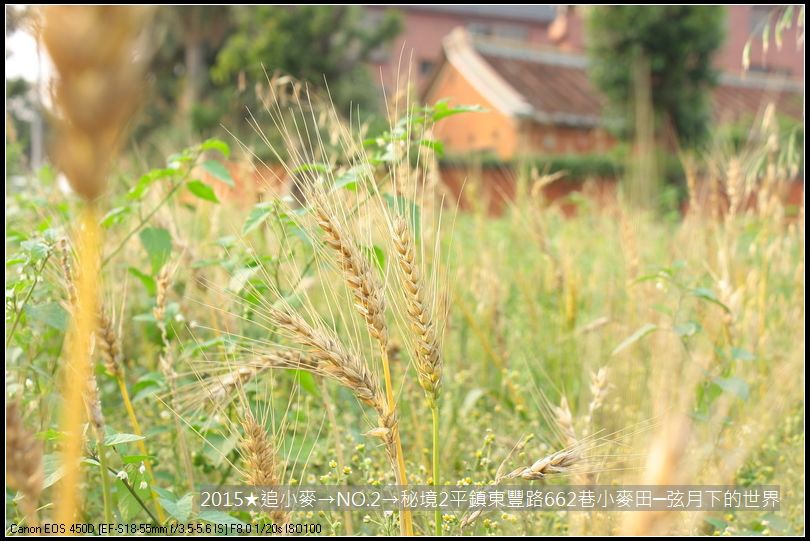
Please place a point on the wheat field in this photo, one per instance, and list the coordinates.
(356, 328)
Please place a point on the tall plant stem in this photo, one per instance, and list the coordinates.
(77, 371)
(136, 429)
(105, 478)
(436, 481)
(406, 520)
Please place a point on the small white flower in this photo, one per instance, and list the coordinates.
(29, 384)
(165, 415)
(122, 475)
(143, 485)
(142, 468)
(179, 318)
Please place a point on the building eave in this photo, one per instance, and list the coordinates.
(461, 54)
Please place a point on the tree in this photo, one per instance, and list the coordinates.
(316, 44)
(211, 58)
(675, 45)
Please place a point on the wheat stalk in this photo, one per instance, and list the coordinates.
(24, 468)
(96, 91)
(221, 388)
(108, 342)
(109, 345)
(422, 325)
(331, 357)
(565, 421)
(366, 289)
(166, 366)
(261, 464)
(559, 463)
(599, 388)
(370, 303)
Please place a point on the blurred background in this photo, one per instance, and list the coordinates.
(565, 88)
(626, 274)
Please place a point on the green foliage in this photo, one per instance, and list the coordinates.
(312, 43)
(677, 43)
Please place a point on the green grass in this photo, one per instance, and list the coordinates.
(537, 302)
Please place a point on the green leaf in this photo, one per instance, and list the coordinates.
(240, 278)
(202, 190)
(740, 354)
(349, 179)
(707, 294)
(436, 146)
(690, 328)
(640, 333)
(442, 110)
(375, 255)
(158, 244)
(36, 248)
(118, 439)
(147, 385)
(776, 523)
(307, 382)
(218, 517)
(116, 216)
(135, 459)
(147, 281)
(218, 170)
(180, 509)
(733, 385)
(52, 465)
(141, 187)
(218, 145)
(315, 167)
(257, 216)
(50, 313)
(717, 523)
(219, 447)
(470, 400)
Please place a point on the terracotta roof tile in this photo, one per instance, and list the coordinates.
(558, 88)
(551, 89)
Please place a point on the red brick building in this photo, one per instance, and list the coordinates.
(416, 51)
(419, 46)
(539, 99)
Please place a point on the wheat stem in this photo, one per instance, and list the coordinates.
(166, 365)
(436, 480)
(136, 429)
(77, 371)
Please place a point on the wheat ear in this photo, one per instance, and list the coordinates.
(425, 338)
(369, 301)
(222, 388)
(96, 91)
(108, 343)
(565, 421)
(599, 389)
(261, 464)
(559, 463)
(332, 359)
(24, 468)
(420, 317)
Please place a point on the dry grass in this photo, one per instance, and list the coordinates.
(24, 471)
